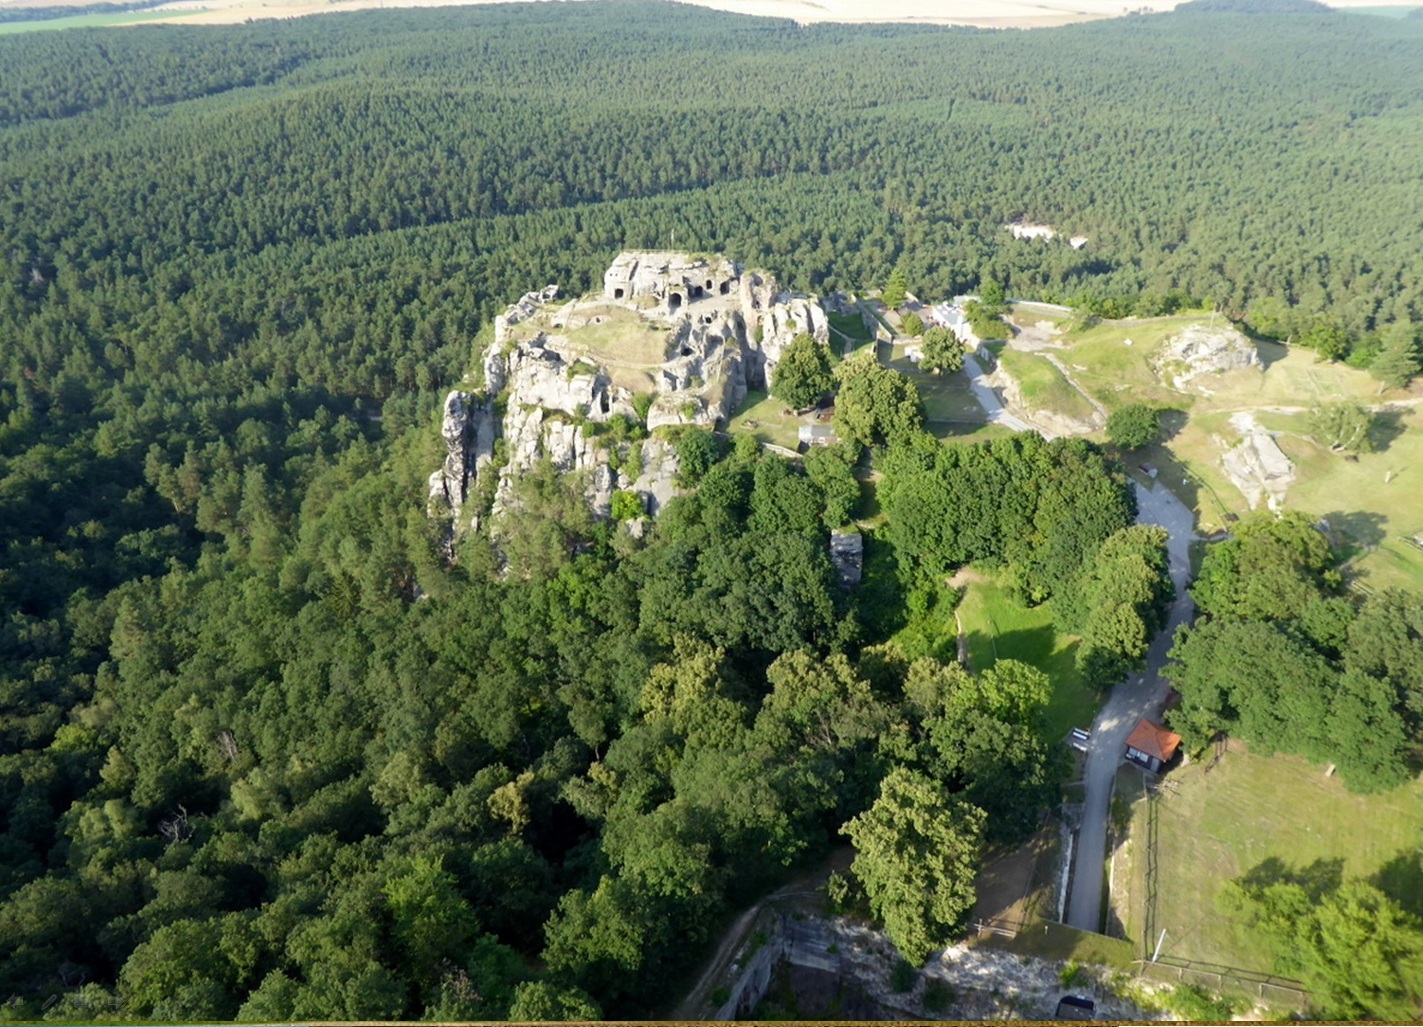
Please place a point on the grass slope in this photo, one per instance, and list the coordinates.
(998, 627)
(1043, 386)
(1249, 809)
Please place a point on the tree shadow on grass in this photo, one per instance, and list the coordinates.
(1401, 879)
(1356, 531)
(1317, 879)
(1173, 473)
(1030, 645)
(1271, 352)
(1172, 422)
(1386, 428)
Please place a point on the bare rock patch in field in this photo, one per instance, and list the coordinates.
(1256, 465)
(1199, 350)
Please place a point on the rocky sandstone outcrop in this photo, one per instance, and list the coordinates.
(1256, 465)
(1201, 350)
(545, 393)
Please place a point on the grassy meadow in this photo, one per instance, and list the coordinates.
(998, 627)
(1370, 501)
(1212, 827)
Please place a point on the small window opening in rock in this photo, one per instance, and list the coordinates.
(686, 351)
(617, 294)
(709, 285)
(707, 319)
(696, 292)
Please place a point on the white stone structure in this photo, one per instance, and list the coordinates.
(674, 280)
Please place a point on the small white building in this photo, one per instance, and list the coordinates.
(952, 317)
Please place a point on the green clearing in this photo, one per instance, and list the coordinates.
(998, 627)
(948, 398)
(965, 432)
(608, 334)
(1371, 501)
(851, 327)
(1214, 827)
(767, 418)
(1117, 373)
(89, 21)
(1043, 386)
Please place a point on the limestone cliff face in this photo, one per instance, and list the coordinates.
(673, 340)
(776, 317)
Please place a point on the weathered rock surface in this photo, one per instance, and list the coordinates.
(775, 318)
(545, 394)
(469, 430)
(705, 378)
(1256, 465)
(1201, 350)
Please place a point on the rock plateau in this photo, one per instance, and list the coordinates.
(671, 340)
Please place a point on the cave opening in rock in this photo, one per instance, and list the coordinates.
(617, 294)
(674, 301)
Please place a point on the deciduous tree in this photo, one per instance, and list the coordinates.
(916, 853)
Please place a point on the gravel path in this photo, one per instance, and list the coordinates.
(1141, 695)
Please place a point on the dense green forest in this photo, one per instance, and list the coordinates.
(263, 753)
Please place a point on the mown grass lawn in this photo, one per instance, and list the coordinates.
(998, 627)
(1213, 827)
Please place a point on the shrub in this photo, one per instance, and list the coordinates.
(1133, 426)
(627, 505)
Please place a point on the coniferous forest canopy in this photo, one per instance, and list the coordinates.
(264, 754)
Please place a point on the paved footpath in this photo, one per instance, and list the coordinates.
(1139, 696)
